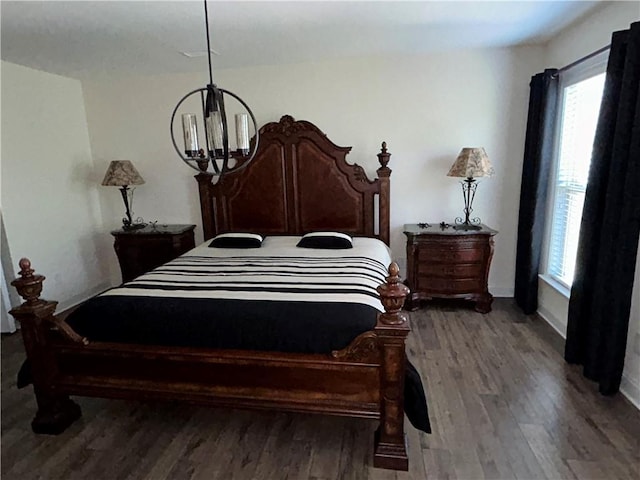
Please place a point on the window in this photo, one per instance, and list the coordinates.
(581, 92)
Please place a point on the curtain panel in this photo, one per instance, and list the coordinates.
(600, 302)
(536, 169)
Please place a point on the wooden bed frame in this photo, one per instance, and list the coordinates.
(298, 182)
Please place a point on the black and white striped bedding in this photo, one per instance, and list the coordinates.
(278, 272)
(274, 298)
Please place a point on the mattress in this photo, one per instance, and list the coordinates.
(276, 298)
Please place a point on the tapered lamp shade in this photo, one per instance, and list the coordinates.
(122, 173)
(471, 163)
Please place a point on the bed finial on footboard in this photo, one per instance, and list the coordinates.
(392, 329)
(29, 286)
(392, 295)
(55, 410)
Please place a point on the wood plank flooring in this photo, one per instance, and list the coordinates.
(503, 404)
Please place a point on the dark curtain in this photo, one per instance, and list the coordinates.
(600, 302)
(538, 154)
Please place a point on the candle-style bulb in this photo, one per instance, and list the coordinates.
(214, 133)
(242, 132)
(190, 133)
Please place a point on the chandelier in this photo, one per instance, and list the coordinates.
(212, 153)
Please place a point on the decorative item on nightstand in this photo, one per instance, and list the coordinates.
(122, 173)
(470, 164)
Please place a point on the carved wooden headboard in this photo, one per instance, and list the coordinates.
(298, 182)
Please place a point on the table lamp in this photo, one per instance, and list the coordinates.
(470, 164)
(122, 173)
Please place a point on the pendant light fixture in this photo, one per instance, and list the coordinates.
(211, 153)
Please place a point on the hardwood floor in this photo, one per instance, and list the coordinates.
(503, 404)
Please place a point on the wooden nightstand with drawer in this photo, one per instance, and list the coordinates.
(144, 249)
(446, 263)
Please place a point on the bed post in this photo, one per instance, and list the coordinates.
(206, 205)
(384, 211)
(55, 410)
(392, 329)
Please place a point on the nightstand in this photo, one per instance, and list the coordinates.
(446, 263)
(144, 249)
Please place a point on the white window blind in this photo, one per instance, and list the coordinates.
(579, 116)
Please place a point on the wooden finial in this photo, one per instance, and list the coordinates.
(25, 268)
(29, 286)
(394, 273)
(392, 295)
(383, 158)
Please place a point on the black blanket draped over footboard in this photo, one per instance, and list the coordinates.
(256, 325)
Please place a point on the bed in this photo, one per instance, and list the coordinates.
(299, 182)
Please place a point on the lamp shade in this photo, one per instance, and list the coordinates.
(122, 173)
(471, 163)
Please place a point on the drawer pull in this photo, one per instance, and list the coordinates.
(450, 256)
(461, 270)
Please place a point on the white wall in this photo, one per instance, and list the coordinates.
(49, 200)
(591, 33)
(10, 297)
(583, 38)
(425, 107)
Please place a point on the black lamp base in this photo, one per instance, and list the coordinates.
(127, 222)
(469, 186)
(133, 226)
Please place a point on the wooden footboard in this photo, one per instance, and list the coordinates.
(366, 379)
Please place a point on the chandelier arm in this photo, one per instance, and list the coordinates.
(214, 164)
(208, 107)
(219, 100)
(206, 130)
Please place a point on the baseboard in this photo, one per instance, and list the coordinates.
(501, 292)
(631, 390)
(555, 323)
(628, 387)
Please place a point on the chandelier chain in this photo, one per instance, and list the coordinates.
(206, 21)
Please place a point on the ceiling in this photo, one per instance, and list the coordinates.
(78, 38)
